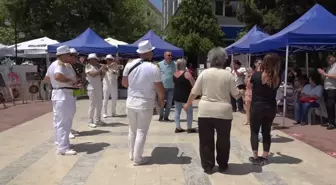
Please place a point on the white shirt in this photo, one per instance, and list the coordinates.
(239, 79)
(110, 79)
(330, 83)
(141, 93)
(68, 72)
(94, 82)
(50, 73)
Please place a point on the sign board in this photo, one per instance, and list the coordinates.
(32, 76)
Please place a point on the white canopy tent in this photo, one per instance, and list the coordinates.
(36, 48)
(115, 42)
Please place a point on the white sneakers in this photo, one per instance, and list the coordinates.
(92, 125)
(142, 161)
(105, 116)
(72, 136)
(68, 152)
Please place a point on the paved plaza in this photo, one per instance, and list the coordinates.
(27, 156)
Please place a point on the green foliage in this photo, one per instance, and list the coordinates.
(241, 34)
(63, 19)
(274, 15)
(195, 28)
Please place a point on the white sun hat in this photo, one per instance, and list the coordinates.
(109, 57)
(144, 47)
(73, 51)
(92, 56)
(62, 50)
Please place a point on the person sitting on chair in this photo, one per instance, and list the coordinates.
(309, 98)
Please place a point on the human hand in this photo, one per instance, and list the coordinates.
(186, 106)
(321, 71)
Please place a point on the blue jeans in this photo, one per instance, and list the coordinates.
(178, 109)
(169, 95)
(301, 111)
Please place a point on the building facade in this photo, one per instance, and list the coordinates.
(153, 12)
(224, 10)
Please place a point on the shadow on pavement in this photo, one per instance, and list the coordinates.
(120, 116)
(92, 133)
(117, 124)
(281, 139)
(241, 169)
(90, 148)
(283, 159)
(168, 155)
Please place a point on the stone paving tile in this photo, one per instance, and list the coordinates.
(103, 157)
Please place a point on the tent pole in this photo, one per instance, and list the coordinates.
(307, 66)
(231, 61)
(249, 60)
(285, 88)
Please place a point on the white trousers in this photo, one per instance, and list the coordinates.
(139, 121)
(95, 105)
(64, 111)
(113, 92)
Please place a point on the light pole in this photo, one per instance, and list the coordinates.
(16, 36)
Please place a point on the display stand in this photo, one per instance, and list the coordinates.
(34, 80)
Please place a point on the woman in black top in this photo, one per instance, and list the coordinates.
(184, 82)
(263, 107)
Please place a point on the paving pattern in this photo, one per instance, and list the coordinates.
(27, 156)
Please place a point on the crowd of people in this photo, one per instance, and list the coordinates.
(151, 85)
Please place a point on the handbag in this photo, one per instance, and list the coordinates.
(307, 99)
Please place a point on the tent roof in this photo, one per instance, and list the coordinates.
(243, 44)
(315, 28)
(35, 44)
(115, 42)
(87, 42)
(160, 46)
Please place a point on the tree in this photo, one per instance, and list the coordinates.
(63, 20)
(195, 28)
(274, 15)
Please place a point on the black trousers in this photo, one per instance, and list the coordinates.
(239, 101)
(330, 101)
(262, 116)
(207, 127)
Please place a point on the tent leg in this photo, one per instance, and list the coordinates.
(249, 60)
(307, 66)
(285, 88)
(231, 61)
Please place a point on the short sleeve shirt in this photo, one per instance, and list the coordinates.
(167, 73)
(68, 72)
(240, 79)
(94, 82)
(141, 93)
(330, 83)
(311, 90)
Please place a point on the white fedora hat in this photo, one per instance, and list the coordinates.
(92, 56)
(73, 51)
(62, 50)
(144, 47)
(109, 57)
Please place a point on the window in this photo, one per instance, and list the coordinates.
(231, 8)
(219, 8)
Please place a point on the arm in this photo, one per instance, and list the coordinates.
(195, 91)
(46, 79)
(59, 75)
(124, 81)
(190, 78)
(240, 72)
(330, 75)
(158, 86)
(89, 71)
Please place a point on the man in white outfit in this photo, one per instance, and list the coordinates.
(110, 85)
(94, 76)
(143, 80)
(63, 81)
(50, 77)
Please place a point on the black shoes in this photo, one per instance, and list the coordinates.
(261, 161)
(221, 169)
(179, 130)
(331, 127)
(189, 131)
(164, 119)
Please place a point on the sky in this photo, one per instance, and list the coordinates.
(157, 4)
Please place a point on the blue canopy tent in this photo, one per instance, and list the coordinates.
(315, 30)
(160, 46)
(242, 46)
(87, 42)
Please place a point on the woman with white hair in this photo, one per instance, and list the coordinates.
(183, 83)
(216, 85)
